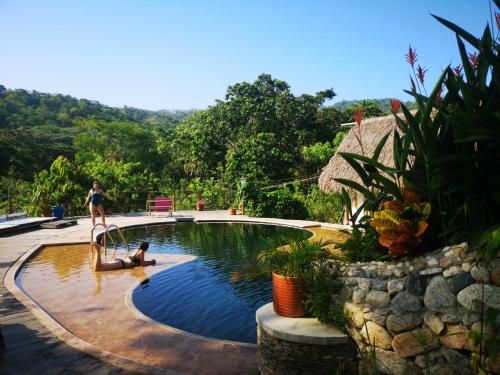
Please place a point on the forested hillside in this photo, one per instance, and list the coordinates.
(37, 127)
(383, 104)
(53, 146)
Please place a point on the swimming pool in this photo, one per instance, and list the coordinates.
(198, 296)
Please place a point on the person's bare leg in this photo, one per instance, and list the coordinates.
(97, 258)
(100, 266)
(92, 213)
(102, 213)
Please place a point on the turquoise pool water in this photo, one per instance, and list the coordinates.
(198, 297)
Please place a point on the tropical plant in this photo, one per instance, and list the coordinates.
(321, 285)
(61, 185)
(448, 151)
(362, 245)
(401, 225)
(293, 260)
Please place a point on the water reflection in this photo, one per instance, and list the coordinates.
(198, 296)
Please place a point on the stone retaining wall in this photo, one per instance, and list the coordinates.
(418, 313)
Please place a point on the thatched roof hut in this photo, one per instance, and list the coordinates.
(372, 131)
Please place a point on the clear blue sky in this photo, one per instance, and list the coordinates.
(184, 53)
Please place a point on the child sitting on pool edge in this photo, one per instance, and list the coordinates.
(133, 260)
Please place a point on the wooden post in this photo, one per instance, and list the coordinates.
(9, 197)
(174, 200)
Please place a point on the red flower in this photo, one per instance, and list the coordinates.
(497, 16)
(473, 58)
(421, 74)
(358, 116)
(413, 86)
(395, 103)
(411, 56)
(439, 99)
(458, 71)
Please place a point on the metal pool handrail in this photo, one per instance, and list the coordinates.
(92, 233)
(106, 232)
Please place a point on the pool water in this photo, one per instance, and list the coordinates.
(198, 296)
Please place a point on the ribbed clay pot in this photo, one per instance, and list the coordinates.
(288, 296)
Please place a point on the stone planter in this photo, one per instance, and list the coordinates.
(288, 296)
(288, 346)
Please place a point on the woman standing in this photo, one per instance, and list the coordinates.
(95, 198)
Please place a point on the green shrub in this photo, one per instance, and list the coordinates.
(324, 207)
(279, 203)
(20, 192)
(321, 285)
(362, 246)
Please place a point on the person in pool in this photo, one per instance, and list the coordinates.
(95, 199)
(136, 259)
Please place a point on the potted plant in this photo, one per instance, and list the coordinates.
(200, 205)
(288, 266)
(234, 207)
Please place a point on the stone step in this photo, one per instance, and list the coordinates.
(59, 224)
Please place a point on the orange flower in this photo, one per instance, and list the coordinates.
(395, 103)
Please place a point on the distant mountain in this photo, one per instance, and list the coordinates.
(32, 108)
(37, 127)
(384, 104)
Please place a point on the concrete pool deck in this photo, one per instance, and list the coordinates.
(69, 344)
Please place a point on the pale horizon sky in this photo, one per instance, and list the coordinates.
(184, 54)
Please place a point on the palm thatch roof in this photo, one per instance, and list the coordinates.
(372, 131)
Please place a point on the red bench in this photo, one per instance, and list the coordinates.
(159, 204)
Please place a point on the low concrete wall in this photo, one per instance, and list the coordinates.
(418, 313)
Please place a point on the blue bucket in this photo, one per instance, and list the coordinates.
(58, 212)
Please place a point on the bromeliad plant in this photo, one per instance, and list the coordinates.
(448, 151)
(401, 226)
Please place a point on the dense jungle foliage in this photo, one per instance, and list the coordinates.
(260, 131)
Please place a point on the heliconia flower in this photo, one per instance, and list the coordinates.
(497, 17)
(473, 58)
(421, 74)
(395, 103)
(411, 56)
(439, 99)
(358, 116)
(458, 71)
(413, 86)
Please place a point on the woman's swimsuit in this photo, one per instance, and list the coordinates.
(134, 259)
(96, 198)
(122, 262)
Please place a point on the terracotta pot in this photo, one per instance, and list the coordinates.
(232, 211)
(108, 211)
(288, 296)
(200, 205)
(47, 213)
